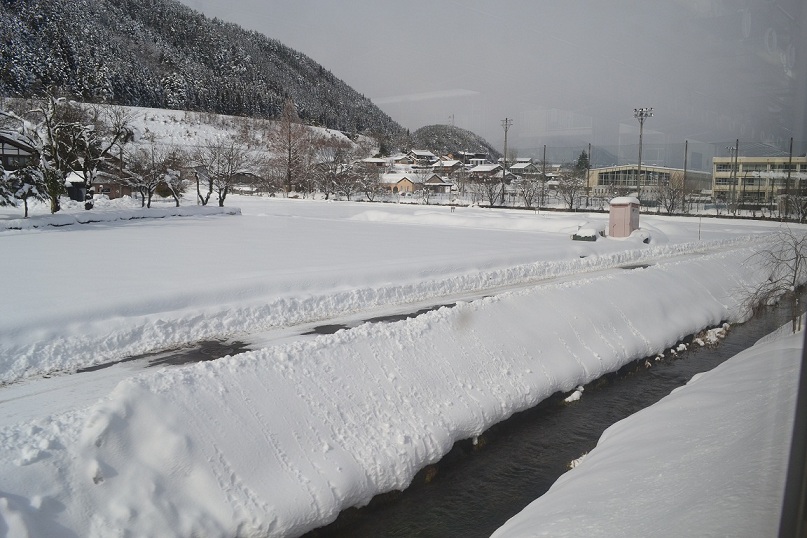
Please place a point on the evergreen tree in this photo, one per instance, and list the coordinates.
(28, 182)
(582, 164)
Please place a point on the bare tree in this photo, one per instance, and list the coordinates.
(174, 181)
(145, 170)
(271, 177)
(672, 194)
(477, 190)
(423, 174)
(491, 188)
(106, 129)
(331, 155)
(460, 179)
(221, 161)
(571, 188)
(291, 145)
(784, 261)
(371, 184)
(529, 189)
(348, 182)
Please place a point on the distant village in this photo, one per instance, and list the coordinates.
(758, 184)
(421, 169)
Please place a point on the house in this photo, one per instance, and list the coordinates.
(402, 161)
(526, 170)
(399, 182)
(509, 177)
(110, 186)
(16, 150)
(483, 172)
(374, 163)
(468, 157)
(446, 167)
(437, 184)
(422, 157)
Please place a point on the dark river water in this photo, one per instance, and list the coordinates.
(474, 490)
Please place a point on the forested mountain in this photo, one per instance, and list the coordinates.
(160, 53)
(447, 139)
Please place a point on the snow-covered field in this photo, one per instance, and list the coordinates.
(278, 440)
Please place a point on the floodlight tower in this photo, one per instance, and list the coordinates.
(641, 114)
(735, 149)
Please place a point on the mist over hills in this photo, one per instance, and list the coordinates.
(161, 54)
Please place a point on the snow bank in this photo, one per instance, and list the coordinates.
(708, 460)
(276, 442)
(81, 334)
(113, 215)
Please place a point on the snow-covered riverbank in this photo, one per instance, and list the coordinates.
(277, 441)
(708, 460)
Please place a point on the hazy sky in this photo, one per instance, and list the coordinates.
(566, 71)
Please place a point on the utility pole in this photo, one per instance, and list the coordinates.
(588, 174)
(735, 149)
(787, 181)
(543, 174)
(641, 114)
(506, 123)
(684, 186)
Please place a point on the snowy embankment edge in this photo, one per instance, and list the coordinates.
(710, 459)
(73, 344)
(117, 215)
(278, 441)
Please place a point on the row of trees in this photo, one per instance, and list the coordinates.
(98, 144)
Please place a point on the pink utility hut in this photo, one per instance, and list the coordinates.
(624, 217)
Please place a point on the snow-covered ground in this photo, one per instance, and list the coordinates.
(278, 440)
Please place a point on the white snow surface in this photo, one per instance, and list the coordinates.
(710, 459)
(278, 440)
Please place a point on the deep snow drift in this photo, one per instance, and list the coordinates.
(278, 440)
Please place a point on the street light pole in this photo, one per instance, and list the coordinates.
(641, 114)
(506, 123)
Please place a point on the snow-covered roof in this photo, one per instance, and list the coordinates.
(522, 165)
(17, 140)
(392, 178)
(485, 168)
(625, 200)
(437, 180)
(73, 177)
(447, 163)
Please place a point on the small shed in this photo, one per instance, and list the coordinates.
(624, 216)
